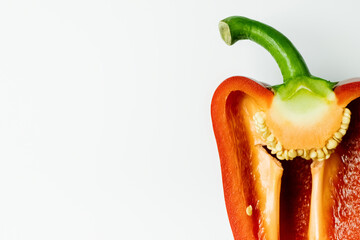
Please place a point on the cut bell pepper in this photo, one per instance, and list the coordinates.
(290, 154)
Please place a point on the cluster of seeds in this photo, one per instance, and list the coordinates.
(319, 154)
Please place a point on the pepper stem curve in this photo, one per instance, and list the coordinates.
(289, 60)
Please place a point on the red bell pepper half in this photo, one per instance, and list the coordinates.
(290, 154)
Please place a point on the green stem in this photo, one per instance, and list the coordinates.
(290, 62)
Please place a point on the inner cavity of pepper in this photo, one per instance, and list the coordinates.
(275, 147)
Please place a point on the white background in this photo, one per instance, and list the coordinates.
(105, 129)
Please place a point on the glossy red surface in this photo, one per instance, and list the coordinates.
(346, 211)
(295, 199)
(243, 152)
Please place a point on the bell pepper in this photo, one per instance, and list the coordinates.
(289, 153)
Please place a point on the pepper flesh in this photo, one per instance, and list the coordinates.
(316, 200)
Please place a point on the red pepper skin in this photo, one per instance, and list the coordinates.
(238, 83)
(232, 182)
(347, 91)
